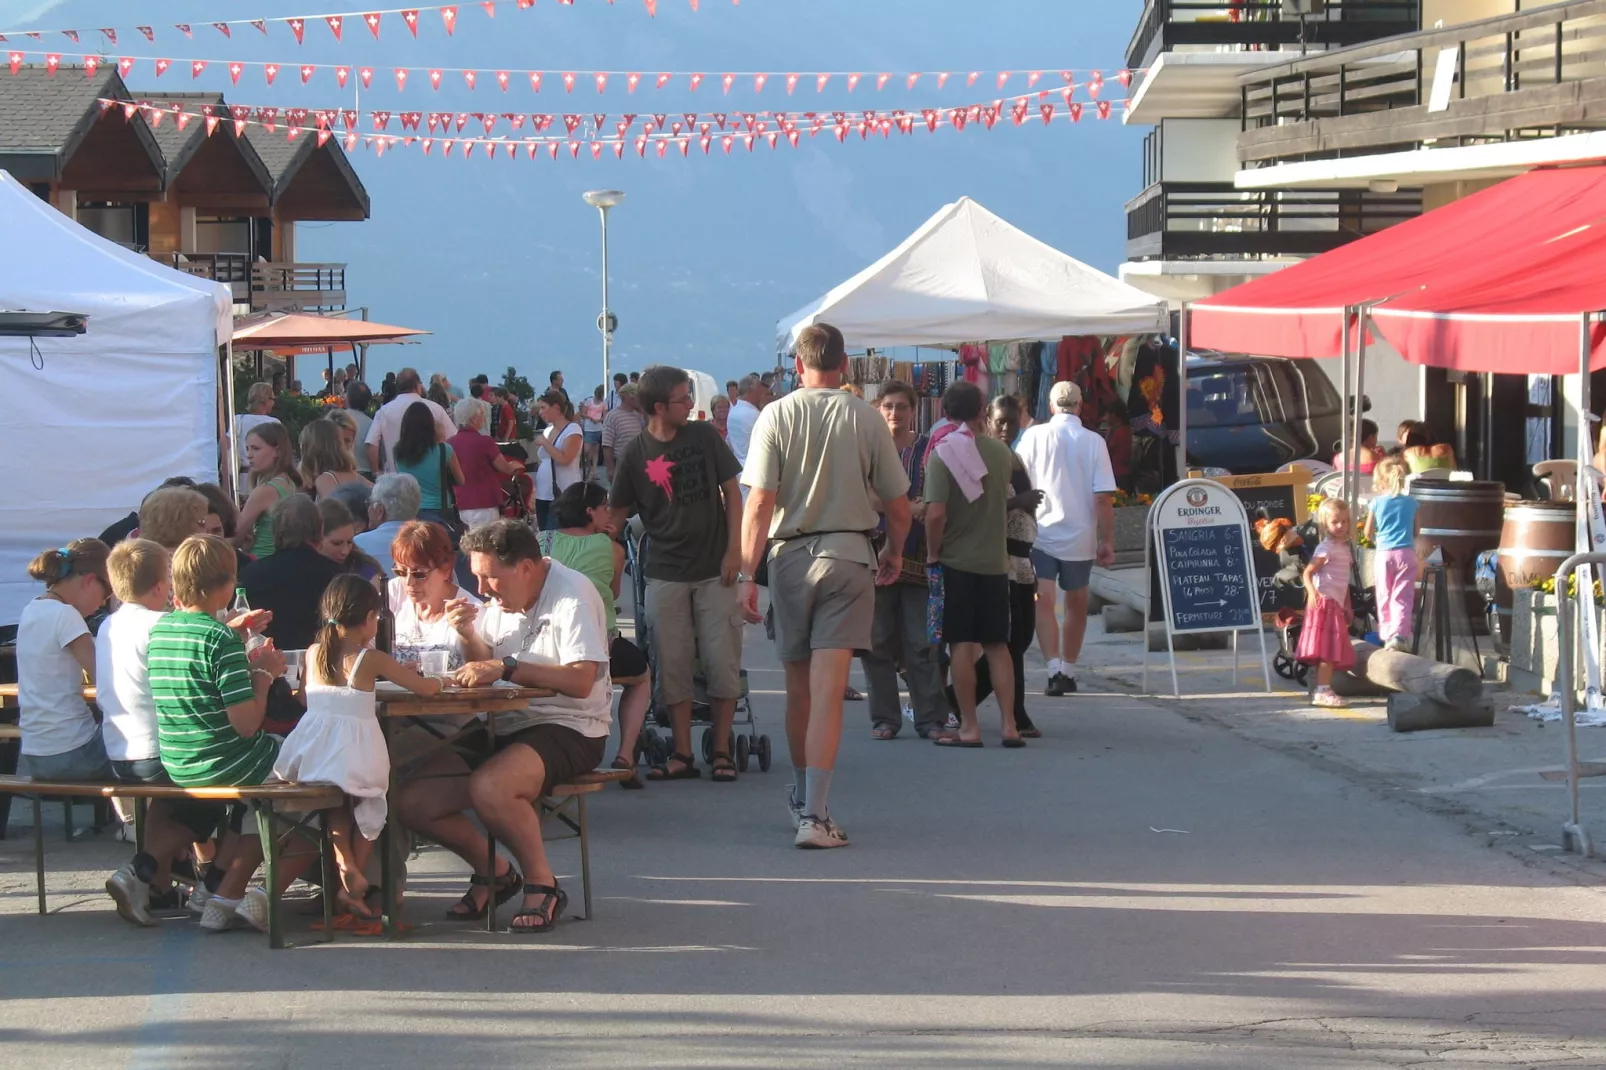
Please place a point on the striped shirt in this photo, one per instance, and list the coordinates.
(198, 670)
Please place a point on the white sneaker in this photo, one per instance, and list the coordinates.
(132, 896)
(253, 909)
(794, 806)
(199, 898)
(818, 833)
(219, 916)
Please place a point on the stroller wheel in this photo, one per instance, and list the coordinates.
(741, 753)
(1283, 666)
(1301, 673)
(764, 754)
(708, 746)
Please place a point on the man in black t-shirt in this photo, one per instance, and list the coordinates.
(681, 478)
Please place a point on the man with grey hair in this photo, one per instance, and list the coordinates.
(751, 396)
(621, 426)
(394, 502)
(820, 459)
(355, 496)
(1070, 464)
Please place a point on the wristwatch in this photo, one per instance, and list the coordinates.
(509, 666)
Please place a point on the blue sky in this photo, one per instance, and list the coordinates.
(502, 261)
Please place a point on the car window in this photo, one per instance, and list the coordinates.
(1257, 392)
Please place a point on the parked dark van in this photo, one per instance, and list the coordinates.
(1256, 414)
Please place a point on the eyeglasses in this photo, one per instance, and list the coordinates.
(405, 574)
(684, 399)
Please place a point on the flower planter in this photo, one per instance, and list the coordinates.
(1131, 526)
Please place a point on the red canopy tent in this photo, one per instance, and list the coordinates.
(1523, 222)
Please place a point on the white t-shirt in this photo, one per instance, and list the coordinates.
(414, 636)
(567, 474)
(1070, 465)
(242, 427)
(566, 625)
(739, 427)
(123, 687)
(50, 683)
(385, 431)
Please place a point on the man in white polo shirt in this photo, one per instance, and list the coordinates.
(385, 431)
(1070, 464)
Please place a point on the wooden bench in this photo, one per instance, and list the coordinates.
(567, 804)
(282, 811)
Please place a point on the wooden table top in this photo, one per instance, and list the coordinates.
(460, 701)
(8, 695)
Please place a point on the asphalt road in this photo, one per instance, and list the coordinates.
(1138, 889)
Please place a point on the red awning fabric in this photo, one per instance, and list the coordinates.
(1518, 315)
(1299, 311)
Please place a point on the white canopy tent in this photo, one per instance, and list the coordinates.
(968, 276)
(94, 422)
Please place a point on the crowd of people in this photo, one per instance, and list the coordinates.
(241, 639)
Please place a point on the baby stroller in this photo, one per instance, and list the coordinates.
(518, 489)
(1363, 609)
(747, 745)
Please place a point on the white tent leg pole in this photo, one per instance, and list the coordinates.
(1182, 393)
(1343, 424)
(1355, 431)
(229, 464)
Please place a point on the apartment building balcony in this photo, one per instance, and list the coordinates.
(1263, 26)
(1216, 221)
(270, 287)
(1480, 100)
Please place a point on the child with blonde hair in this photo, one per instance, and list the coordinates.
(339, 740)
(1391, 525)
(1324, 637)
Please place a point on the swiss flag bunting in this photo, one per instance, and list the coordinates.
(372, 19)
(410, 17)
(297, 27)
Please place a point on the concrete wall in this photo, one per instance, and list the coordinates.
(1199, 150)
(1456, 12)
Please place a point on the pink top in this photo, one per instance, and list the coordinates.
(1331, 580)
(482, 483)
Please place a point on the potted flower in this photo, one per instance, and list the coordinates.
(1131, 521)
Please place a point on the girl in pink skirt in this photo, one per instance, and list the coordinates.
(1324, 638)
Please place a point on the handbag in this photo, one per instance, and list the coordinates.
(450, 517)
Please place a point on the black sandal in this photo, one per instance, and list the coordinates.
(723, 769)
(504, 887)
(634, 782)
(554, 899)
(688, 769)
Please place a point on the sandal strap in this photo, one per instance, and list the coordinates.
(541, 889)
(479, 881)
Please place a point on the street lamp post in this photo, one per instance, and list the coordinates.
(602, 200)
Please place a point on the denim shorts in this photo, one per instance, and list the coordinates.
(1071, 575)
(87, 761)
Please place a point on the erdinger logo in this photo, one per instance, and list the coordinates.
(1197, 496)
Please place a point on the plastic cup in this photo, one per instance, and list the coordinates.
(435, 662)
(292, 666)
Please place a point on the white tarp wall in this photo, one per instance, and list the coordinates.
(968, 276)
(93, 423)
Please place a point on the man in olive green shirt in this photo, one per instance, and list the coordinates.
(967, 497)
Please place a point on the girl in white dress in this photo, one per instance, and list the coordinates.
(338, 740)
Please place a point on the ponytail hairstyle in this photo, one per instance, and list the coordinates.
(1388, 477)
(81, 557)
(346, 603)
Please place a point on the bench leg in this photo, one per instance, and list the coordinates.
(270, 857)
(66, 816)
(141, 805)
(585, 859)
(326, 873)
(39, 849)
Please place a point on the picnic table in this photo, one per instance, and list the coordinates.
(8, 695)
(396, 705)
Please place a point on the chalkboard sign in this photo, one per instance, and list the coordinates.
(1280, 494)
(1201, 547)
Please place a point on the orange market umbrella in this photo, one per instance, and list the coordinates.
(297, 330)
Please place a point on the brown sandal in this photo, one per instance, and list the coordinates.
(503, 888)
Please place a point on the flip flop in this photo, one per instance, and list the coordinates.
(882, 732)
(1014, 744)
(963, 744)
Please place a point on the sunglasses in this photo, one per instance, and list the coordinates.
(414, 573)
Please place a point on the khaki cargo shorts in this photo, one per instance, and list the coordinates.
(692, 622)
(820, 603)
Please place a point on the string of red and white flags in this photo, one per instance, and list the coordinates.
(596, 133)
(1091, 81)
(336, 21)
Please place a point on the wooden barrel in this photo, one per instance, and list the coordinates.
(1536, 539)
(1463, 520)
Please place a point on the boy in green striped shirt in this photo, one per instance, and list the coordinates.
(211, 700)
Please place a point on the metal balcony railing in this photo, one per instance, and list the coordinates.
(1208, 220)
(1535, 74)
(1264, 25)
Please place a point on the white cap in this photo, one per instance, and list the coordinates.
(1065, 397)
